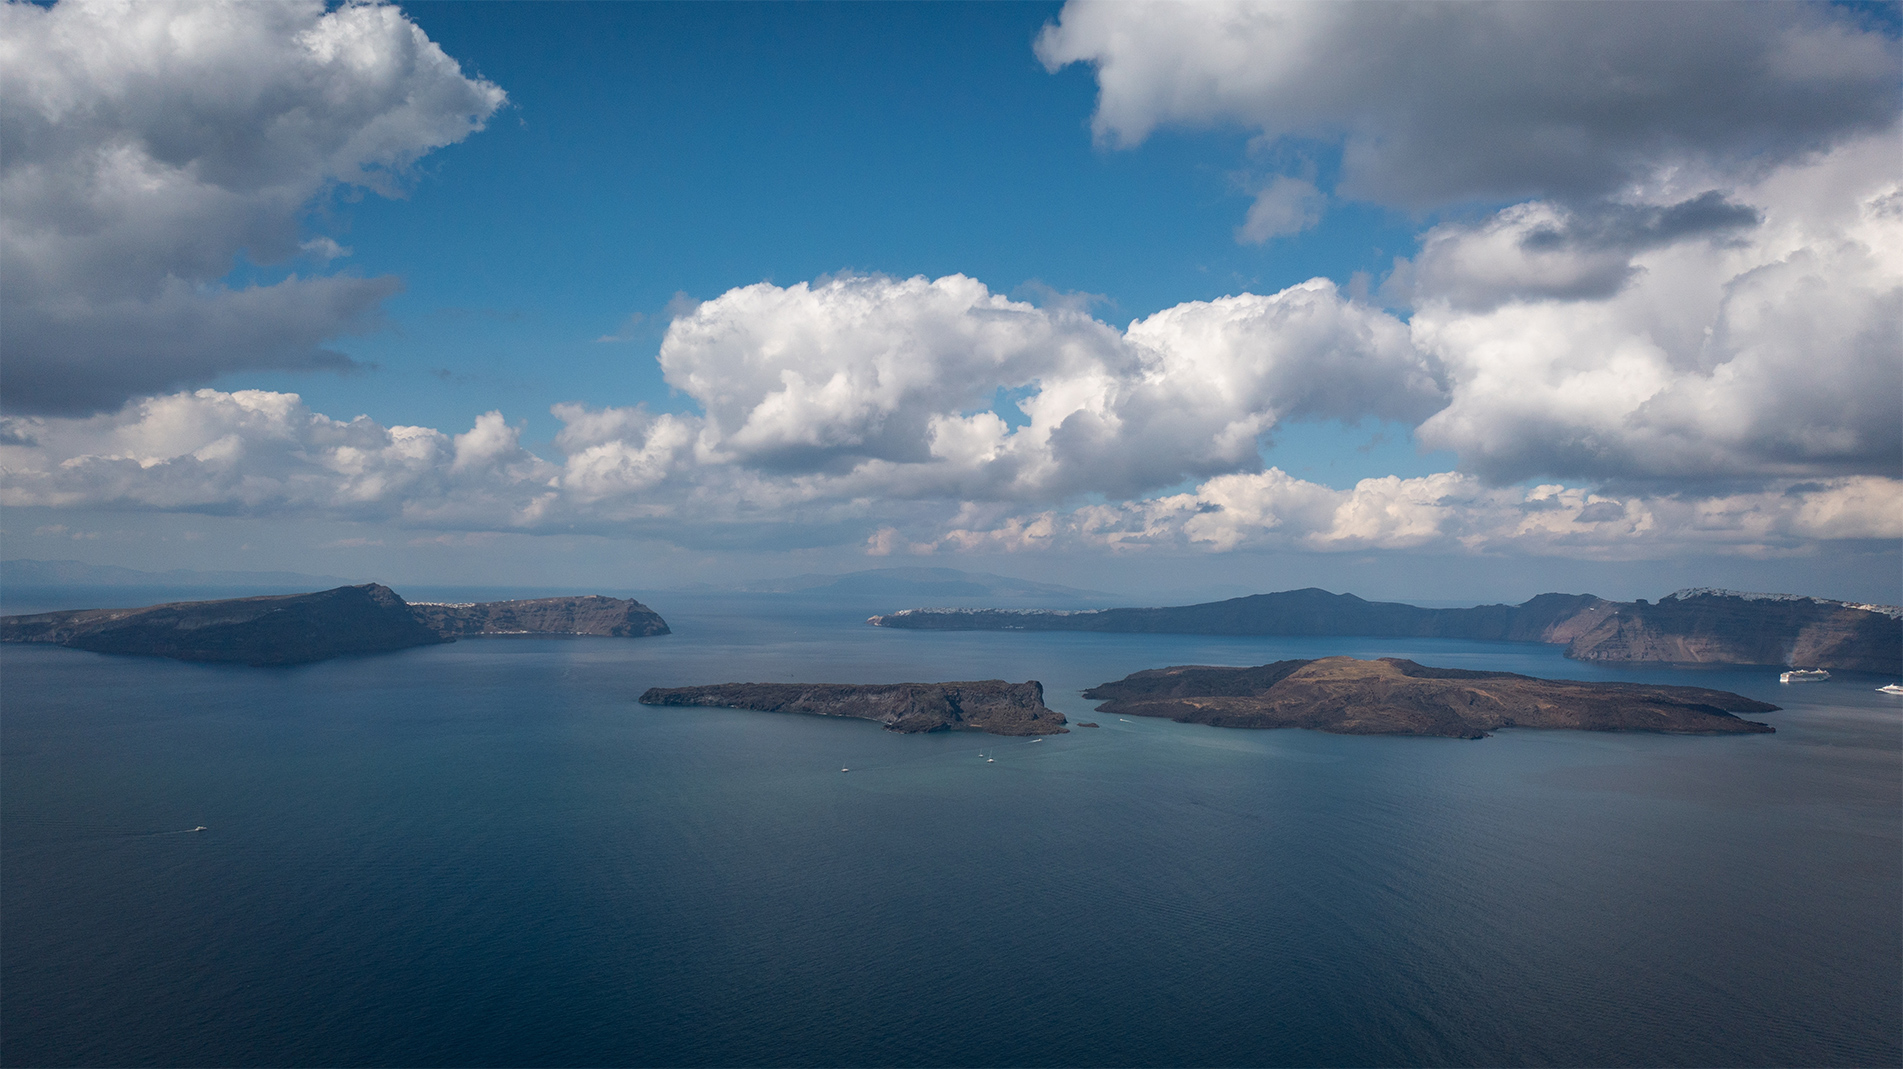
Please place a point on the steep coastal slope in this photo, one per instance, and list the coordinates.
(283, 629)
(990, 705)
(590, 615)
(301, 628)
(1391, 696)
(1726, 627)
(1690, 626)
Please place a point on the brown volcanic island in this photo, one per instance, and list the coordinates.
(1392, 696)
(990, 705)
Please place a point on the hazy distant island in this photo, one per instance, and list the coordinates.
(1691, 626)
(990, 705)
(301, 628)
(903, 583)
(1392, 696)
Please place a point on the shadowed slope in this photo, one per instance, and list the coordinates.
(283, 629)
(301, 628)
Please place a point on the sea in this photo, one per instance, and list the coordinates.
(488, 853)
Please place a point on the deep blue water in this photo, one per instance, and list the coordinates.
(487, 853)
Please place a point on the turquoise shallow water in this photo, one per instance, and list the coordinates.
(487, 853)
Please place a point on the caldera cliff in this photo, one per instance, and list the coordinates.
(1692, 626)
(589, 615)
(283, 629)
(301, 628)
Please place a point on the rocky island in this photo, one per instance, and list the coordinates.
(1392, 696)
(302, 628)
(990, 705)
(589, 615)
(1692, 626)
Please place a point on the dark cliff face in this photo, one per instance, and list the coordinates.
(991, 705)
(1308, 612)
(590, 615)
(1392, 696)
(286, 629)
(300, 628)
(1734, 629)
(1690, 627)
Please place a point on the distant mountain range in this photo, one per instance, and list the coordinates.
(1698, 625)
(77, 573)
(908, 582)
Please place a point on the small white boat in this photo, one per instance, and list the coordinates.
(991, 760)
(1804, 675)
(845, 770)
(1890, 688)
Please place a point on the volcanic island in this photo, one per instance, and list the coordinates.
(1394, 696)
(991, 705)
(288, 629)
(1342, 695)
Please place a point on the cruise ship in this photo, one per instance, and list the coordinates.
(1804, 675)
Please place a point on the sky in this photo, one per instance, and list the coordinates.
(1417, 301)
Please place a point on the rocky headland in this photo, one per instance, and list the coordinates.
(1725, 627)
(990, 705)
(1692, 626)
(1392, 696)
(302, 628)
(280, 629)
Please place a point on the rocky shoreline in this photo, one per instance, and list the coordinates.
(992, 705)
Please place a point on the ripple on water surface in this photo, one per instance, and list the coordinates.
(487, 853)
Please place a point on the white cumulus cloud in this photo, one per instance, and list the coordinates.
(1438, 103)
(1443, 513)
(1769, 346)
(258, 452)
(891, 385)
(143, 146)
(627, 472)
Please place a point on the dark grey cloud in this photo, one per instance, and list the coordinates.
(1545, 251)
(1638, 227)
(94, 357)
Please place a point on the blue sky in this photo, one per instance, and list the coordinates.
(1412, 296)
(650, 150)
